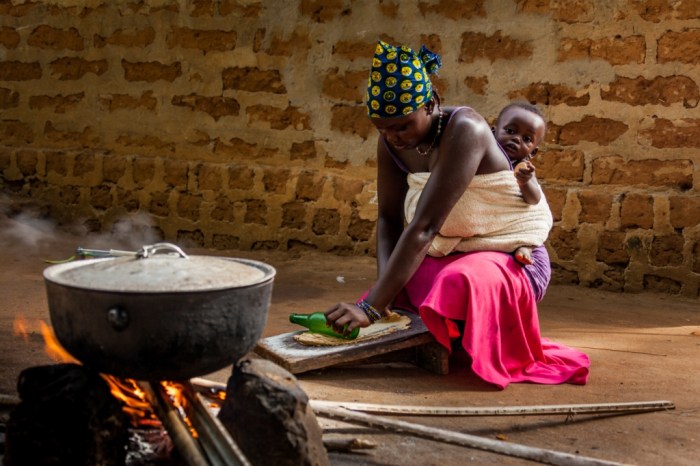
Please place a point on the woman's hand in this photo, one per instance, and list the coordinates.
(343, 314)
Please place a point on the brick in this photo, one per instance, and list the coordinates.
(476, 45)
(310, 186)
(8, 98)
(637, 211)
(360, 229)
(258, 40)
(564, 242)
(666, 134)
(19, 71)
(253, 80)
(303, 151)
(147, 141)
(477, 84)
(202, 8)
(209, 176)
(662, 10)
(560, 165)
(661, 90)
(695, 266)
(190, 238)
(267, 245)
(347, 191)
(144, 170)
(255, 211)
(126, 38)
(216, 106)
(677, 173)
(60, 103)
(616, 50)
(159, 204)
(294, 214)
(679, 46)
(596, 206)
(202, 40)
(240, 177)
(684, 211)
(175, 173)
(225, 242)
(667, 251)
(14, 133)
(73, 68)
(242, 9)
(5, 160)
(275, 180)
(556, 199)
(17, 10)
(600, 130)
(349, 86)
(326, 222)
(280, 119)
(69, 195)
(151, 71)
(352, 119)
(451, 9)
(223, 210)
(27, 162)
(321, 11)
(659, 284)
(188, 206)
(56, 163)
(113, 168)
(238, 149)
(550, 94)
(330, 162)
(114, 102)
(85, 163)
(128, 199)
(349, 50)
(47, 37)
(297, 43)
(9, 38)
(611, 248)
(101, 197)
(68, 138)
(570, 11)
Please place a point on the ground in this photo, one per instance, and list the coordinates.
(643, 347)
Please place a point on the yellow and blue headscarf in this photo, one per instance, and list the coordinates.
(398, 80)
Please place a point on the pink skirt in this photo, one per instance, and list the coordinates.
(491, 294)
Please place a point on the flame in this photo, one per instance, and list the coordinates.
(20, 328)
(52, 347)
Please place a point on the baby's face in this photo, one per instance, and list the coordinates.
(519, 132)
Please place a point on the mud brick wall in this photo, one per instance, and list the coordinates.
(239, 124)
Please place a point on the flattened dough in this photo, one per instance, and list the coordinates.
(389, 324)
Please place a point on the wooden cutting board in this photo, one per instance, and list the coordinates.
(414, 344)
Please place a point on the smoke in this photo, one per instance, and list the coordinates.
(29, 228)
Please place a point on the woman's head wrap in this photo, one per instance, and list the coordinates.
(398, 80)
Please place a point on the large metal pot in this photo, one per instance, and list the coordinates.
(159, 316)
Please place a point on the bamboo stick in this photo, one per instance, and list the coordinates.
(570, 409)
(458, 438)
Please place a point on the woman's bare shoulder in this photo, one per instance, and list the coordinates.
(467, 119)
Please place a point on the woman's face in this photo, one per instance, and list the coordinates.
(405, 132)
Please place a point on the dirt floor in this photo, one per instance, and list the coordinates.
(643, 347)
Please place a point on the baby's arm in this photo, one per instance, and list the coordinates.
(529, 187)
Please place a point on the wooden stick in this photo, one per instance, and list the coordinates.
(349, 444)
(458, 438)
(570, 410)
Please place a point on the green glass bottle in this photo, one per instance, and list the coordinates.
(316, 322)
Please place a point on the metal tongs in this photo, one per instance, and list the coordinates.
(83, 252)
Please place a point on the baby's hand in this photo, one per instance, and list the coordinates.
(524, 171)
(523, 255)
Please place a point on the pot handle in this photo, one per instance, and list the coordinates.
(150, 250)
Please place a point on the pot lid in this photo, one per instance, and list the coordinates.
(149, 272)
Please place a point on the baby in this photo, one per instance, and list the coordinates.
(519, 129)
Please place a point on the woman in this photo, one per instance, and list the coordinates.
(438, 172)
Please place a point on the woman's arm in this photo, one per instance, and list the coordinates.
(467, 148)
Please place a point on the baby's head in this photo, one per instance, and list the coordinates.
(519, 129)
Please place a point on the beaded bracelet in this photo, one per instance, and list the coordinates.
(372, 314)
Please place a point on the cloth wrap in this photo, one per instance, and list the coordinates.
(490, 216)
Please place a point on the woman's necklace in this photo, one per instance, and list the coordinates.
(437, 135)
